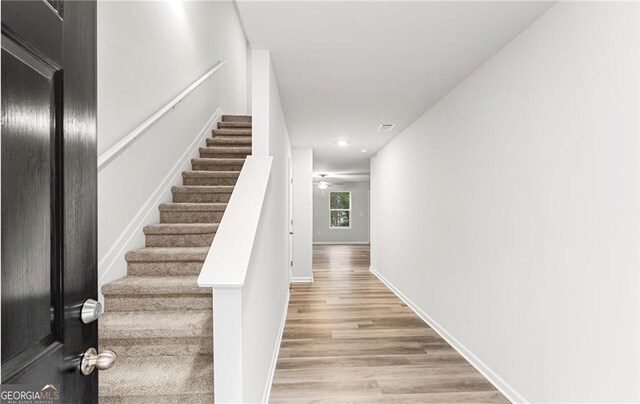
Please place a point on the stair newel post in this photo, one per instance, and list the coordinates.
(227, 344)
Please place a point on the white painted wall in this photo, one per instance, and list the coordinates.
(266, 290)
(261, 70)
(359, 231)
(508, 213)
(302, 160)
(148, 52)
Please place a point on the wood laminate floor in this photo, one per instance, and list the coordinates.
(348, 338)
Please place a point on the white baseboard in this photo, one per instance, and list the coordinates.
(113, 265)
(274, 359)
(340, 242)
(509, 392)
(302, 279)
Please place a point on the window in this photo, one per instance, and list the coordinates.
(340, 210)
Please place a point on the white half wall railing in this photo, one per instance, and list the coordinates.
(225, 270)
(123, 143)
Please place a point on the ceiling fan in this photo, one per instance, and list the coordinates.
(324, 184)
(344, 176)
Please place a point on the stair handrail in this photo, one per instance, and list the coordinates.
(126, 140)
(228, 258)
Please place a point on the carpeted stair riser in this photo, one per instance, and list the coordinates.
(191, 212)
(180, 234)
(179, 240)
(201, 194)
(228, 178)
(234, 125)
(162, 324)
(209, 181)
(191, 217)
(225, 152)
(160, 346)
(167, 254)
(237, 118)
(159, 302)
(163, 333)
(231, 132)
(186, 197)
(217, 164)
(200, 197)
(178, 378)
(229, 141)
(163, 229)
(163, 268)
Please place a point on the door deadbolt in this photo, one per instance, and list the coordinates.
(91, 311)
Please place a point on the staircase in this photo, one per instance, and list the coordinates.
(157, 319)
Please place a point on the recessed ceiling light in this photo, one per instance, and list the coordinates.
(342, 143)
(363, 150)
(386, 127)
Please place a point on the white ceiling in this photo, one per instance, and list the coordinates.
(344, 68)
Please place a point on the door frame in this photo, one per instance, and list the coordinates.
(73, 46)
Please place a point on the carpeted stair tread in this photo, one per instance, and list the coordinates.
(211, 174)
(159, 376)
(237, 118)
(231, 132)
(165, 399)
(156, 324)
(155, 285)
(181, 228)
(218, 161)
(164, 291)
(158, 298)
(210, 177)
(163, 254)
(202, 189)
(232, 125)
(227, 149)
(193, 207)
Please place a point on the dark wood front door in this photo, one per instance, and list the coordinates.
(49, 178)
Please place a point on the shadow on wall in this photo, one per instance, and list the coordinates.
(132, 185)
(353, 216)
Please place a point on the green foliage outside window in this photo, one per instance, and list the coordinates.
(340, 208)
(340, 200)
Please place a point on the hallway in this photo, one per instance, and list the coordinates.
(348, 338)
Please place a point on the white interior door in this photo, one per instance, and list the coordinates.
(290, 219)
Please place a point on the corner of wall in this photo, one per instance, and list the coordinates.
(260, 106)
(498, 382)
